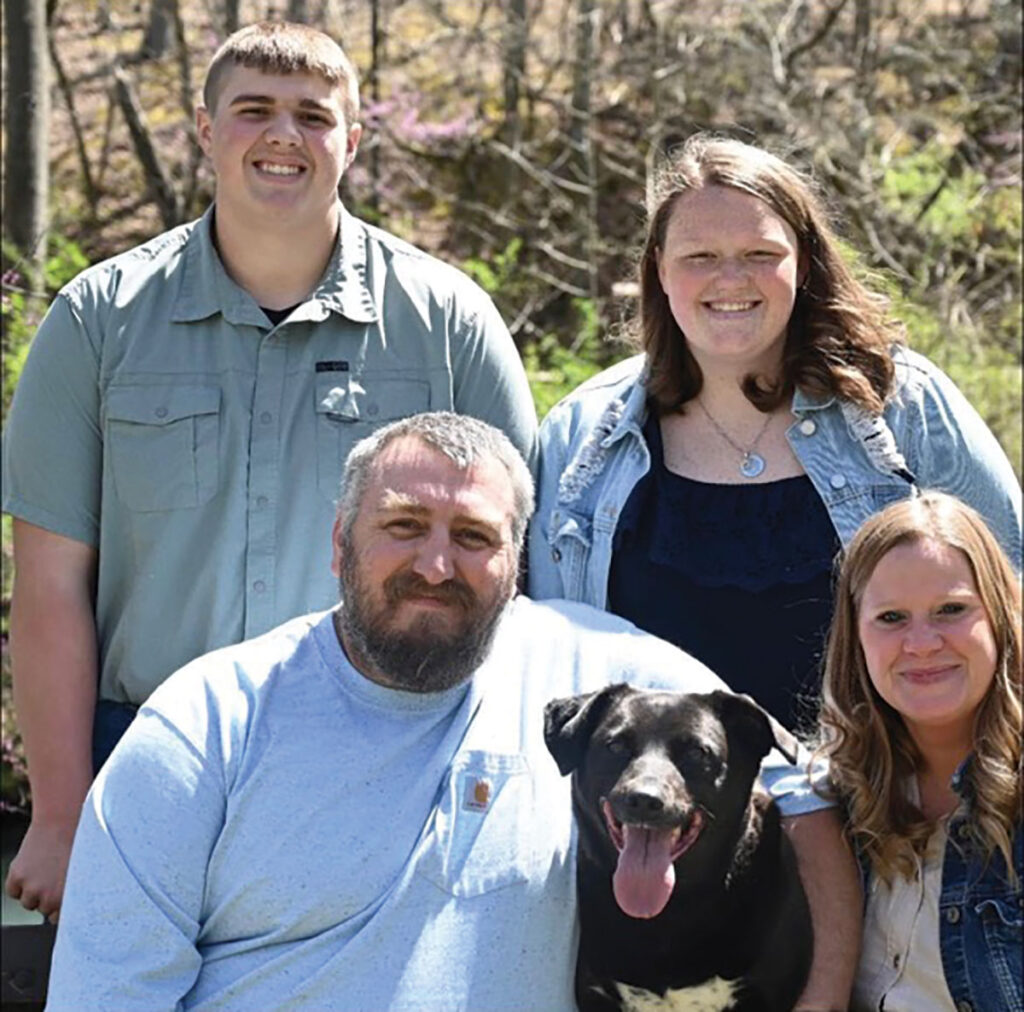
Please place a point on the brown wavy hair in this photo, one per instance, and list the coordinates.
(868, 746)
(840, 335)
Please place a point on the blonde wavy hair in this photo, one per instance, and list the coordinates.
(870, 752)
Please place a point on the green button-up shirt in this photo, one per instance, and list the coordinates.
(161, 418)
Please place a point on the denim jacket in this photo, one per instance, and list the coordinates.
(981, 918)
(593, 453)
(981, 926)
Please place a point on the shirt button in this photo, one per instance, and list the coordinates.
(808, 427)
(953, 915)
(556, 555)
(161, 412)
(266, 418)
(838, 481)
(259, 586)
(261, 501)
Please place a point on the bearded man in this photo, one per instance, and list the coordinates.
(357, 810)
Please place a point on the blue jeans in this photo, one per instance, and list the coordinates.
(110, 723)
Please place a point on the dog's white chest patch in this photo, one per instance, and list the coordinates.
(714, 995)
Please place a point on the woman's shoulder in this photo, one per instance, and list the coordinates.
(614, 382)
(613, 390)
(916, 375)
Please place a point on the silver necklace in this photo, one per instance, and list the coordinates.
(751, 463)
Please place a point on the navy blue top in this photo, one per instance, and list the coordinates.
(739, 576)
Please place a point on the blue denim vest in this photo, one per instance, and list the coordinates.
(593, 453)
(981, 918)
(981, 926)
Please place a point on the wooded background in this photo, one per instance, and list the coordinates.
(515, 139)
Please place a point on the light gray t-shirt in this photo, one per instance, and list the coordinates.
(276, 832)
(162, 419)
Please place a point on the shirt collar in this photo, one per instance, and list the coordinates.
(206, 289)
(804, 401)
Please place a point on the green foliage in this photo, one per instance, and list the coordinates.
(554, 370)
(921, 182)
(987, 375)
(498, 273)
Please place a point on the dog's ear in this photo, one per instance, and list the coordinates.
(755, 724)
(569, 722)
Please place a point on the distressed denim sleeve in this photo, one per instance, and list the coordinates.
(954, 451)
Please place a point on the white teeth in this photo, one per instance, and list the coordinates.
(279, 170)
(730, 307)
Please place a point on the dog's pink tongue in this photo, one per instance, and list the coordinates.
(644, 876)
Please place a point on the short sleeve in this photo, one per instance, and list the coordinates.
(53, 443)
(490, 381)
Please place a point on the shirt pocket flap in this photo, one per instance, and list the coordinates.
(161, 405)
(370, 397)
(1007, 910)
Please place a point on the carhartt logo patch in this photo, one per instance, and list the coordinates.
(478, 794)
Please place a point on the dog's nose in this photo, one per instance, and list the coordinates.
(640, 804)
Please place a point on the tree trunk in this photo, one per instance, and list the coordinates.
(158, 30)
(159, 182)
(584, 159)
(27, 126)
(376, 45)
(863, 43)
(514, 64)
(231, 22)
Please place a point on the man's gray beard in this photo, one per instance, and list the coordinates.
(421, 658)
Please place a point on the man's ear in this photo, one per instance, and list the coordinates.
(355, 132)
(204, 129)
(336, 542)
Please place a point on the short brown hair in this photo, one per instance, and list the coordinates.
(281, 47)
(869, 748)
(839, 337)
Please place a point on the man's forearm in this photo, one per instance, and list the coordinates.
(829, 874)
(54, 667)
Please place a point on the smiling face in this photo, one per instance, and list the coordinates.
(730, 268)
(279, 144)
(927, 641)
(426, 568)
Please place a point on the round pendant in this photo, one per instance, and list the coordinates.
(751, 465)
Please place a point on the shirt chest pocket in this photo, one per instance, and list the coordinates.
(483, 833)
(162, 444)
(349, 406)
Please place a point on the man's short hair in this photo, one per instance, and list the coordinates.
(281, 47)
(463, 439)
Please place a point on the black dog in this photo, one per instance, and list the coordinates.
(689, 896)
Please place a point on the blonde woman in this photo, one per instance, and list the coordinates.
(921, 721)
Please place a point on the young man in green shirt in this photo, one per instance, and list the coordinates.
(173, 449)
